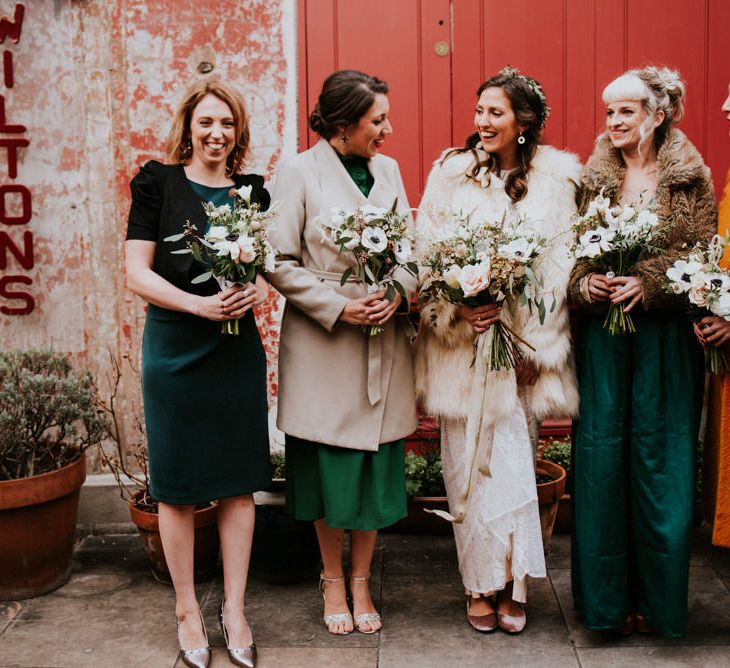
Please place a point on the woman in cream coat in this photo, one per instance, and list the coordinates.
(501, 174)
(346, 399)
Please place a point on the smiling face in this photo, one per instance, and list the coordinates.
(624, 120)
(497, 125)
(212, 132)
(726, 104)
(365, 138)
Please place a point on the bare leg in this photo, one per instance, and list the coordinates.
(236, 517)
(178, 539)
(362, 547)
(330, 547)
(481, 605)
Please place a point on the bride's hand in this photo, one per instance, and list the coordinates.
(480, 317)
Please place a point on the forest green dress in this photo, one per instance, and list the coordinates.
(204, 392)
(351, 489)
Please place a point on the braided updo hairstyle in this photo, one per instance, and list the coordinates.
(658, 89)
(531, 111)
(346, 96)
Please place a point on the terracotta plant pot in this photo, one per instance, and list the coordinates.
(548, 497)
(37, 530)
(207, 542)
(419, 521)
(563, 519)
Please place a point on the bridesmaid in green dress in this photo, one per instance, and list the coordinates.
(204, 392)
(346, 399)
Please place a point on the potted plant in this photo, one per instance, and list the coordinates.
(558, 451)
(550, 478)
(425, 490)
(48, 417)
(285, 550)
(133, 481)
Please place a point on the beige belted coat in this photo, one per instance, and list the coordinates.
(337, 384)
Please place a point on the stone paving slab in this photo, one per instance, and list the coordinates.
(112, 613)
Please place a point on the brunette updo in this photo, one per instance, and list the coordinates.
(346, 96)
(530, 110)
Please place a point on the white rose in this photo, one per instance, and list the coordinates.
(247, 253)
(451, 276)
(698, 296)
(474, 278)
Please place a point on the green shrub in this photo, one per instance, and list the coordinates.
(558, 452)
(278, 465)
(424, 475)
(48, 413)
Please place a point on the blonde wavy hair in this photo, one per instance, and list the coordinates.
(178, 145)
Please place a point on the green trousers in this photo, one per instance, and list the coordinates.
(634, 470)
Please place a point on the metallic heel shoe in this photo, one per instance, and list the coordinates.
(195, 658)
(483, 623)
(338, 617)
(366, 617)
(239, 656)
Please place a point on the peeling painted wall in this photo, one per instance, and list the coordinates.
(96, 85)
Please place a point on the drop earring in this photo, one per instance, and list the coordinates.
(521, 140)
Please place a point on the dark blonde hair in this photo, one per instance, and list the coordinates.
(178, 145)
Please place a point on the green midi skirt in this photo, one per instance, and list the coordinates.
(634, 470)
(351, 489)
(205, 408)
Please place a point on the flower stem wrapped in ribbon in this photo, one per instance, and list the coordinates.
(707, 286)
(613, 238)
(235, 245)
(379, 242)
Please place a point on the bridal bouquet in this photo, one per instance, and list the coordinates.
(613, 238)
(486, 264)
(707, 286)
(235, 246)
(379, 242)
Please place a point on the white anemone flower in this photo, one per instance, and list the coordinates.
(721, 306)
(374, 239)
(681, 273)
(336, 218)
(519, 249)
(369, 211)
(717, 281)
(245, 193)
(403, 251)
(647, 219)
(216, 233)
(595, 242)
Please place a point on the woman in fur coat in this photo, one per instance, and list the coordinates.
(641, 394)
(502, 173)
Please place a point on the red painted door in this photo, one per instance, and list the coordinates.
(394, 40)
(574, 47)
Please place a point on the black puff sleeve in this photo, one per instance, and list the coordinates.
(147, 191)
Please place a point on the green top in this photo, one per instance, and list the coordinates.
(357, 168)
(218, 195)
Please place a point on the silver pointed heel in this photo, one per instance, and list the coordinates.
(239, 656)
(199, 657)
(366, 617)
(338, 617)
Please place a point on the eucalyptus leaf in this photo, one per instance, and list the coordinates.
(175, 237)
(203, 277)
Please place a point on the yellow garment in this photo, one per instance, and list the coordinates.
(717, 474)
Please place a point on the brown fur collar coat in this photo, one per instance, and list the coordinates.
(684, 202)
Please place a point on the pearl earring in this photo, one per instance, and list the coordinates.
(521, 140)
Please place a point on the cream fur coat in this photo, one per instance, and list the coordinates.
(445, 345)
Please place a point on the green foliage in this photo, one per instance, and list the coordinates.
(48, 413)
(558, 452)
(278, 465)
(424, 476)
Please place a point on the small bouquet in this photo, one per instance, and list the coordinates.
(485, 264)
(613, 237)
(235, 246)
(707, 286)
(379, 242)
